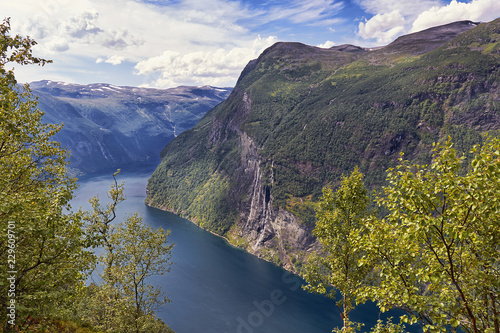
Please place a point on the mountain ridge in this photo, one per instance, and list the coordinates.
(427, 40)
(108, 127)
(300, 117)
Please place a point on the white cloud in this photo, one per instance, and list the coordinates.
(327, 44)
(115, 60)
(383, 27)
(82, 25)
(477, 10)
(202, 67)
(79, 31)
(57, 44)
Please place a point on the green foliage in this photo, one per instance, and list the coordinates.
(42, 243)
(340, 224)
(303, 208)
(134, 252)
(464, 139)
(109, 311)
(48, 325)
(388, 327)
(210, 204)
(437, 252)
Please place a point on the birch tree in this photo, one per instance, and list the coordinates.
(340, 220)
(437, 252)
(133, 252)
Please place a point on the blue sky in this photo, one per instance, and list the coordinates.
(167, 43)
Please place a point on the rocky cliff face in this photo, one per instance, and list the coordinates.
(263, 229)
(300, 117)
(108, 127)
(271, 233)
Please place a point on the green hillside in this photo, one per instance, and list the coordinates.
(300, 117)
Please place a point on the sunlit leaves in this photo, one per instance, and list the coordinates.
(34, 194)
(437, 250)
(338, 229)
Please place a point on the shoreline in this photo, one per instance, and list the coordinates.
(220, 236)
(193, 222)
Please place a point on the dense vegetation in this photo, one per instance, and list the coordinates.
(314, 114)
(436, 254)
(46, 248)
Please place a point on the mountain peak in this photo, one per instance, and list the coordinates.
(429, 39)
(348, 48)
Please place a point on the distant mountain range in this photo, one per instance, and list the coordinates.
(108, 127)
(301, 116)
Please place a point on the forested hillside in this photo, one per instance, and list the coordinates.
(300, 117)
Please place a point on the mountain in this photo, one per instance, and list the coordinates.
(108, 127)
(300, 117)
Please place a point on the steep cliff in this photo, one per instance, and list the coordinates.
(300, 117)
(108, 127)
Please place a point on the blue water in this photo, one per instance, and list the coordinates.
(217, 288)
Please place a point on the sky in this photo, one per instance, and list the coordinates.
(168, 43)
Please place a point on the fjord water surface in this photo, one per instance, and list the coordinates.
(217, 288)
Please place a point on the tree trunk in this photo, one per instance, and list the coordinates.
(344, 316)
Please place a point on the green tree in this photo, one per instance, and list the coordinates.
(99, 219)
(437, 251)
(139, 253)
(42, 250)
(340, 220)
(133, 252)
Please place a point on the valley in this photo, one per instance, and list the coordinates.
(108, 127)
